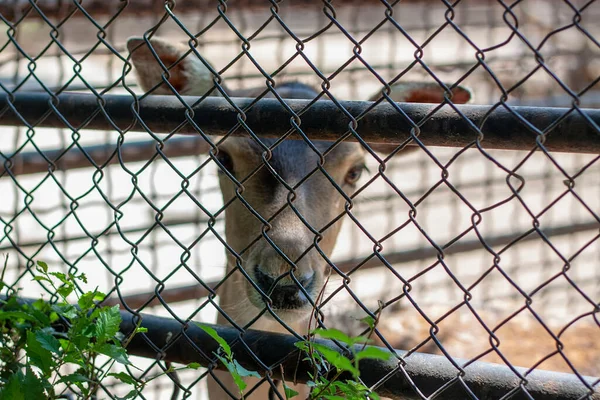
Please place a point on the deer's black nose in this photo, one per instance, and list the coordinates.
(283, 295)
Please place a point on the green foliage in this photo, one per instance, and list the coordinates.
(35, 348)
(235, 369)
(289, 392)
(323, 358)
(328, 361)
(222, 343)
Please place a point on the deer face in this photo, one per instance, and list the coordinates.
(285, 195)
(285, 263)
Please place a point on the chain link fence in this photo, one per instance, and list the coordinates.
(471, 237)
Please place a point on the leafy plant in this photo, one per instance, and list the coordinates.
(225, 355)
(323, 358)
(38, 340)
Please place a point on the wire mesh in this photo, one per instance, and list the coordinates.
(469, 253)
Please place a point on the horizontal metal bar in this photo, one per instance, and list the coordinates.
(187, 343)
(33, 162)
(322, 121)
(52, 8)
(196, 291)
(428, 372)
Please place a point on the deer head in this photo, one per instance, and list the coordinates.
(285, 265)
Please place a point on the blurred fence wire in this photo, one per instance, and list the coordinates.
(201, 172)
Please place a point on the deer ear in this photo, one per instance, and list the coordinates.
(425, 92)
(420, 92)
(188, 76)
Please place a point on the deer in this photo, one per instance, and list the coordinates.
(280, 275)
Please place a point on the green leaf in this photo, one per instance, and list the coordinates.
(65, 310)
(53, 317)
(43, 266)
(65, 290)
(12, 390)
(69, 312)
(83, 278)
(131, 395)
(41, 305)
(86, 301)
(336, 387)
(218, 338)
(81, 332)
(16, 316)
(65, 344)
(88, 329)
(9, 303)
(141, 329)
(289, 392)
(374, 353)
(61, 277)
(303, 345)
(340, 362)
(89, 299)
(243, 371)
(193, 365)
(340, 336)
(94, 314)
(33, 386)
(354, 390)
(48, 341)
(73, 378)
(41, 315)
(74, 357)
(38, 356)
(370, 321)
(333, 334)
(115, 352)
(350, 388)
(317, 359)
(237, 379)
(124, 377)
(108, 322)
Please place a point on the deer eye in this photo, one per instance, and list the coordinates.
(354, 174)
(225, 160)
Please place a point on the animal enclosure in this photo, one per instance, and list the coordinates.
(473, 235)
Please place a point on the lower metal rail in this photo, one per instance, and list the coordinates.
(395, 379)
(185, 342)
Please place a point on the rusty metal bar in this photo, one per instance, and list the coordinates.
(322, 121)
(196, 291)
